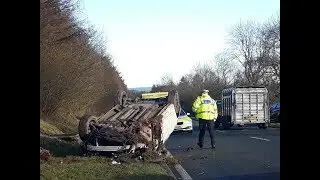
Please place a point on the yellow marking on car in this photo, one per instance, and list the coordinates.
(186, 118)
(156, 95)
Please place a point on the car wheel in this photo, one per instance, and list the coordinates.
(225, 125)
(263, 126)
(84, 126)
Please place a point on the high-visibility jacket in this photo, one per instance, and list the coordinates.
(205, 107)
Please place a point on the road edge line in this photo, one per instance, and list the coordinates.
(170, 171)
(182, 172)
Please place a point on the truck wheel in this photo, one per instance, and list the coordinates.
(225, 125)
(84, 126)
(264, 126)
(217, 124)
(173, 98)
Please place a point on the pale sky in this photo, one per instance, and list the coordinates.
(149, 38)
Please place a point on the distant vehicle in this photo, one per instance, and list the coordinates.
(244, 106)
(275, 113)
(184, 122)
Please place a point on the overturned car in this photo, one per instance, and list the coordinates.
(144, 123)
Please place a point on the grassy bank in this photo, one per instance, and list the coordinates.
(67, 163)
(99, 168)
(49, 129)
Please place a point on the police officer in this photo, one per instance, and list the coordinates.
(205, 109)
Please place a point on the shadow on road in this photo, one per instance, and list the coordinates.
(181, 133)
(239, 128)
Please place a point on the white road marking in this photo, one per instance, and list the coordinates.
(260, 138)
(182, 172)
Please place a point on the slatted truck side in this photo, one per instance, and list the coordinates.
(245, 106)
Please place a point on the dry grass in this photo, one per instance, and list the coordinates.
(99, 168)
(48, 128)
(66, 163)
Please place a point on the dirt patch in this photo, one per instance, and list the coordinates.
(44, 154)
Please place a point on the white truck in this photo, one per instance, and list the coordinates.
(244, 106)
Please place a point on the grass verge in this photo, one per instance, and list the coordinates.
(60, 148)
(48, 128)
(99, 168)
(67, 163)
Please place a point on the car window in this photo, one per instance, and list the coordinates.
(182, 113)
(275, 106)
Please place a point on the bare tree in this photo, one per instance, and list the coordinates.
(257, 48)
(205, 77)
(239, 79)
(166, 84)
(167, 79)
(225, 67)
(246, 43)
(271, 45)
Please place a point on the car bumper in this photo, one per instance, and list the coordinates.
(184, 127)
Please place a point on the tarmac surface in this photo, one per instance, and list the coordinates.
(241, 153)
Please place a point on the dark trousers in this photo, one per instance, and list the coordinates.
(202, 126)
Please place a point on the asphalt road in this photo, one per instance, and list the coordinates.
(241, 153)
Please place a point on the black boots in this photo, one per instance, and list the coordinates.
(201, 146)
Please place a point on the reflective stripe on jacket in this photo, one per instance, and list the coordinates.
(205, 107)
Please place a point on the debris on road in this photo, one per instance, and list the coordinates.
(201, 157)
(44, 154)
(115, 162)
